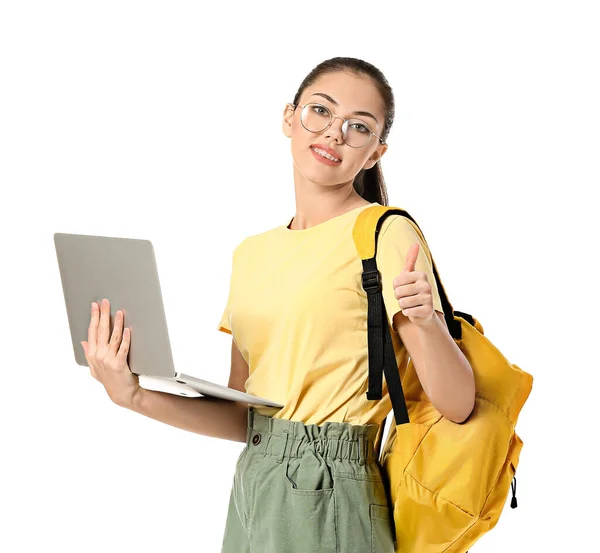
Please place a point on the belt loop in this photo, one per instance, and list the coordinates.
(270, 422)
(282, 452)
(361, 450)
(250, 423)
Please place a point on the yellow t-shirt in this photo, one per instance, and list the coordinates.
(298, 314)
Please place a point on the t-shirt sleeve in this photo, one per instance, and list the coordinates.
(396, 237)
(225, 322)
(224, 325)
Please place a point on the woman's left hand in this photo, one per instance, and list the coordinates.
(413, 291)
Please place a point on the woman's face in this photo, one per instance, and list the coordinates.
(351, 93)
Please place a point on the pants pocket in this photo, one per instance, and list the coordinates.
(313, 524)
(382, 540)
(312, 501)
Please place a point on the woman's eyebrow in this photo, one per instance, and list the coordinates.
(329, 98)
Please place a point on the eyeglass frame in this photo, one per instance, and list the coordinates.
(331, 121)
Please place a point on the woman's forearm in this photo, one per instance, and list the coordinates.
(450, 379)
(218, 418)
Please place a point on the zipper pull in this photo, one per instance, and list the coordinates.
(513, 485)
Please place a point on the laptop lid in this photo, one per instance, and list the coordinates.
(123, 270)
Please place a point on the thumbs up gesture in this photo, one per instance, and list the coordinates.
(413, 291)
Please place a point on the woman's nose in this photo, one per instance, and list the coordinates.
(335, 129)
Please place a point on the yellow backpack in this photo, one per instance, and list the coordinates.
(447, 482)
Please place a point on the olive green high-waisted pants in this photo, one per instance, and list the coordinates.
(308, 489)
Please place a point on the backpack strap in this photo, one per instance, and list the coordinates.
(382, 358)
(366, 233)
(381, 350)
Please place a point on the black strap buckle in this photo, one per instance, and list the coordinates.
(371, 282)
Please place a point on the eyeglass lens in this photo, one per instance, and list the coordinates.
(316, 118)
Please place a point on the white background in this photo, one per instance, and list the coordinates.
(162, 121)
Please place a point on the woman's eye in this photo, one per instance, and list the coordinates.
(320, 110)
(362, 128)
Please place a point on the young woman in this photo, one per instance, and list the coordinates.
(309, 479)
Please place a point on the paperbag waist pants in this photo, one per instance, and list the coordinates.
(308, 489)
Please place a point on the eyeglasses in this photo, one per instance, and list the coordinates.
(317, 118)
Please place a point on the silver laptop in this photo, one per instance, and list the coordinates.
(123, 270)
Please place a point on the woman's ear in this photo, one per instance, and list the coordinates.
(375, 156)
(288, 116)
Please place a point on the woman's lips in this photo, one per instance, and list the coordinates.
(323, 159)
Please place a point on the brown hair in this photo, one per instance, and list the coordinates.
(368, 183)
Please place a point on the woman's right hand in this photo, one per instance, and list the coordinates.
(108, 361)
